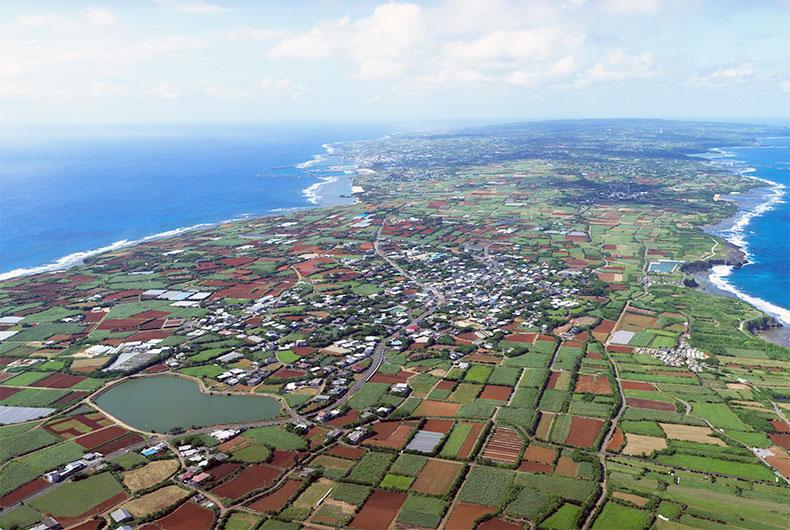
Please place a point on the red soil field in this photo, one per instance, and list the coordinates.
(436, 408)
(471, 440)
(781, 439)
(521, 337)
(188, 516)
(276, 501)
(780, 426)
(58, 380)
(436, 477)
(100, 437)
(443, 426)
(252, 478)
(223, 470)
(284, 459)
(464, 515)
(535, 467)
(498, 524)
(391, 379)
(23, 492)
(594, 355)
(391, 434)
(504, 445)
(616, 442)
(566, 467)
(346, 451)
(614, 348)
(584, 431)
(594, 384)
(284, 373)
(650, 404)
(120, 443)
(637, 385)
(445, 384)
(542, 455)
(553, 376)
(341, 421)
(7, 391)
(68, 398)
(379, 510)
(497, 392)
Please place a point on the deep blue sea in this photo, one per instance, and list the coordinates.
(761, 228)
(66, 192)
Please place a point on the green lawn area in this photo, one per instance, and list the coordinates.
(365, 289)
(398, 482)
(621, 517)
(465, 393)
(35, 397)
(353, 494)
(129, 460)
(210, 371)
(719, 415)
(75, 498)
(563, 519)
(276, 437)
(22, 516)
(253, 453)
(287, 356)
(477, 373)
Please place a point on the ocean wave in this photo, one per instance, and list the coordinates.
(312, 193)
(718, 277)
(77, 258)
(737, 234)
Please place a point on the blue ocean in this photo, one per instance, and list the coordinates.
(761, 228)
(66, 193)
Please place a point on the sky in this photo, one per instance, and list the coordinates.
(85, 62)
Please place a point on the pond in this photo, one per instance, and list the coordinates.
(164, 402)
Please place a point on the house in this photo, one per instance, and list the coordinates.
(120, 515)
(47, 524)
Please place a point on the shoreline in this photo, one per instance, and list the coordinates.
(750, 205)
(313, 195)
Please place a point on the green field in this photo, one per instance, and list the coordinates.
(276, 437)
(371, 467)
(477, 373)
(622, 517)
(398, 482)
(563, 519)
(486, 485)
(422, 511)
(75, 498)
(408, 464)
(28, 467)
(19, 439)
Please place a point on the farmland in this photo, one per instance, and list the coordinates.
(483, 333)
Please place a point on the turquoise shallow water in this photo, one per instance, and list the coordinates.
(162, 403)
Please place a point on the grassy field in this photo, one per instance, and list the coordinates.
(618, 516)
(368, 395)
(398, 482)
(371, 467)
(19, 439)
(276, 437)
(717, 465)
(421, 511)
(477, 373)
(408, 464)
(28, 467)
(563, 519)
(75, 498)
(353, 494)
(719, 415)
(486, 485)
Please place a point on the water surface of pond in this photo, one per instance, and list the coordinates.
(163, 402)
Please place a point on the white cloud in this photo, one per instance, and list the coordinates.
(618, 66)
(192, 7)
(167, 90)
(525, 44)
(100, 17)
(317, 43)
(727, 75)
